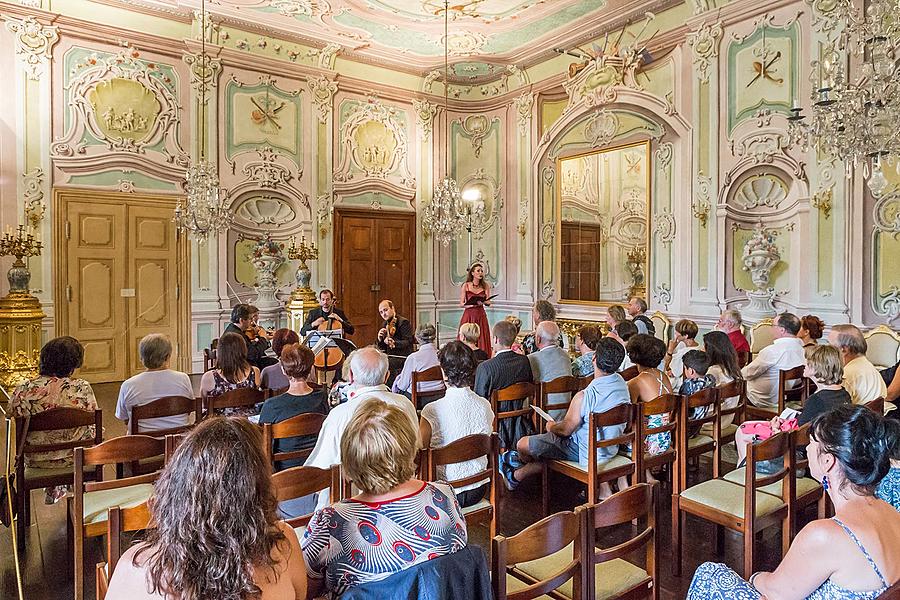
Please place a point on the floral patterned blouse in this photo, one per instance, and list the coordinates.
(42, 394)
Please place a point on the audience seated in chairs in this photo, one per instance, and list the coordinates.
(615, 314)
(723, 365)
(232, 371)
(730, 324)
(273, 377)
(824, 368)
(696, 378)
(811, 329)
(469, 334)
(55, 387)
(861, 379)
(586, 339)
(889, 488)
(517, 323)
(542, 311)
(217, 532)
(647, 352)
(567, 439)
(368, 372)
(423, 358)
(296, 362)
(158, 381)
(460, 413)
(624, 332)
(785, 353)
(550, 361)
(682, 342)
(378, 451)
(856, 554)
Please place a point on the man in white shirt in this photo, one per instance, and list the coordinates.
(786, 352)
(158, 381)
(422, 359)
(861, 379)
(368, 373)
(550, 362)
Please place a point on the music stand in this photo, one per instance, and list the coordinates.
(334, 339)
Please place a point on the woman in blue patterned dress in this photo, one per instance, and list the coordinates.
(889, 488)
(853, 556)
(647, 353)
(396, 522)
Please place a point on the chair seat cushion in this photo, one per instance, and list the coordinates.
(615, 462)
(699, 440)
(728, 497)
(612, 577)
(804, 485)
(729, 430)
(481, 504)
(38, 473)
(514, 584)
(97, 503)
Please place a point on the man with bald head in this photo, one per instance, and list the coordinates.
(395, 338)
(861, 379)
(550, 361)
(368, 374)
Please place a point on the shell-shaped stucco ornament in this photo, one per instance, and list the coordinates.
(761, 190)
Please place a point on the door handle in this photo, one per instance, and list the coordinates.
(374, 288)
(69, 293)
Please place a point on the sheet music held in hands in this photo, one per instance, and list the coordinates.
(475, 300)
(542, 413)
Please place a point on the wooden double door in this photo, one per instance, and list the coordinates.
(374, 260)
(121, 273)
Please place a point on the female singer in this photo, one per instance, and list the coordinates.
(478, 288)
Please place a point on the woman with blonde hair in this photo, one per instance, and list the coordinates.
(395, 523)
(468, 335)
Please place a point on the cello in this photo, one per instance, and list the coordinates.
(329, 357)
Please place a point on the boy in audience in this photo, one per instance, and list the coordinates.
(696, 365)
(567, 439)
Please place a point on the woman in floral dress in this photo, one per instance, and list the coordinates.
(647, 353)
(232, 372)
(54, 387)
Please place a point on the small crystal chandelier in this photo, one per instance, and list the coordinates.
(204, 211)
(444, 217)
(856, 121)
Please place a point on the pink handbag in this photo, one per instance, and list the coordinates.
(762, 430)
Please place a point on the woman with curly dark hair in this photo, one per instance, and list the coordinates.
(811, 330)
(217, 534)
(647, 353)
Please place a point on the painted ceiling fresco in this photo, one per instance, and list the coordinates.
(485, 36)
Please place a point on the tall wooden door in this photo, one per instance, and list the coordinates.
(374, 260)
(121, 273)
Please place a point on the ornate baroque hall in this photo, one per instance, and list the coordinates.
(287, 222)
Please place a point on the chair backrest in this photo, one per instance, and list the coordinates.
(876, 405)
(172, 443)
(270, 393)
(102, 581)
(666, 404)
(778, 446)
(618, 415)
(60, 418)
(892, 593)
(119, 521)
(561, 385)
(297, 482)
(762, 334)
(661, 324)
(167, 406)
(585, 381)
(629, 373)
(801, 439)
(434, 373)
(517, 392)
(209, 356)
(743, 358)
(298, 425)
(708, 399)
(738, 388)
(238, 398)
(627, 506)
(792, 386)
(542, 539)
(883, 346)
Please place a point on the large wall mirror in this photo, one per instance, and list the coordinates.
(604, 213)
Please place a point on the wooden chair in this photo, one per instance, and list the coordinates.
(595, 474)
(661, 323)
(209, 356)
(420, 399)
(693, 447)
(167, 406)
(876, 405)
(518, 394)
(239, 398)
(883, 346)
(102, 579)
(299, 425)
(558, 543)
(270, 393)
(669, 405)
(87, 509)
(786, 393)
(762, 334)
(629, 373)
(561, 385)
(297, 482)
(727, 391)
(585, 381)
(172, 443)
(118, 521)
(892, 593)
(30, 478)
(471, 447)
(746, 508)
(743, 358)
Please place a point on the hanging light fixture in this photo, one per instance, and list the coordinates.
(856, 121)
(204, 211)
(444, 217)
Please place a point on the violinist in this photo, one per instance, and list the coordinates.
(395, 338)
(243, 321)
(327, 316)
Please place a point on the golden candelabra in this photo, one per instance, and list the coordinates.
(20, 312)
(303, 298)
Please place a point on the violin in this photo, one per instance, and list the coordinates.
(257, 331)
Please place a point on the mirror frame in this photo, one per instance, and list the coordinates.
(640, 291)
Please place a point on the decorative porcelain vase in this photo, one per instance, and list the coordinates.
(759, 257)
(267, 257)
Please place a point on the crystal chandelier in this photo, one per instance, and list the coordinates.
(856, 121)
(204, 211)
(445, 216)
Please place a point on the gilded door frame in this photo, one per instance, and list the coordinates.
(60, 257)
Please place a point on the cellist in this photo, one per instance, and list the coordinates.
(326, 312)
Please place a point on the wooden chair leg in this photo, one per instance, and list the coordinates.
(677, 525)
(720, 540)
(545, 486)
(787, 533)
(749, 544)
(22, 518)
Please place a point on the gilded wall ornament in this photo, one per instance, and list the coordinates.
(524, 105)
(705, 44)
(700, 206)
(425, 112)
(522, 224)
(34, 43)
(323, 91)
(823, 201)
(33, 182)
